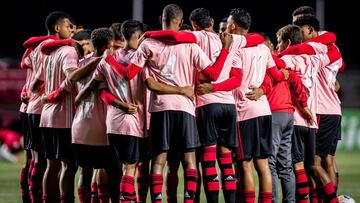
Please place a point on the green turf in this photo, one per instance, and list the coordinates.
(348, 163)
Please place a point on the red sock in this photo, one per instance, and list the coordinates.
(84, 194)
(103, 193)
(143, 182)
(265, 197)
(228, 177)
(24, 185)
(127, 189)
(172, 181)
(29, 173)
(210, 177)
(66, 198)
(156, 184)
(249, 196)
(94, 193)
(314, 195)
(330, 194)
(302, 186)
(190, 176)
(36, 182)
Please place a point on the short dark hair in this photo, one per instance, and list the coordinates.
(185, 26)
(266, 36)
(79, 49)
(129, 27)
(82, 35)
(291, 32)
(241, 17)
(53, 18)
(309, 20)
(224, 20)
(304, 10)
(147, 27)
(101, 36)
(201, 17)
(171, 12)
(116, 29)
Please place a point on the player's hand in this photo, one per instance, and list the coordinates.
(188, 92)
(127, 107)
(141, 39)
(337, 86)
(25, 99)
(108, 52)
(204, 88)
(286, 73)
(308, 115)
(130, 108)
(44, 99)
(255, 93)
(226, 39)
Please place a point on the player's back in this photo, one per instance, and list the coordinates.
(171, 64)
(328, 100)
(254, 62)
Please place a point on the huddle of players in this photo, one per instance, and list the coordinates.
(248, 102)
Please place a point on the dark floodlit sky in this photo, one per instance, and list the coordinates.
(23, 19)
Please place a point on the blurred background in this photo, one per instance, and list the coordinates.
(23, 19)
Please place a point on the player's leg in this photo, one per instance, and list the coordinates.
(50, 179)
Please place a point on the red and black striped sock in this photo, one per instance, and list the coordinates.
(190, 176)
(24, 185)
(314, 197)
(302, 186)
(330, 194)
(36, 182)
(67, 198)
(156, 184)
(228, 177)
(84, 194)
(103, 192)
(172, 181)
(29, 174)
(265, 197)
(248, 196)
(143, 182)
(127, 189)
(94, 193)
(210, 176)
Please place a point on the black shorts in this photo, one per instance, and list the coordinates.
(57, 143)
(216, 124)
(303, 145)
(26, 131)
(37, 143)
(255, 139)
(328, 134)
(130, 149)
(175, 130)
(95, 156)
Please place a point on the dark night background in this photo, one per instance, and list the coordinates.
(22, 19)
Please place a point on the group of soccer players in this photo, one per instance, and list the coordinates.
(139, 100)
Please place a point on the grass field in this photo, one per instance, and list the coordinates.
(348, 163)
